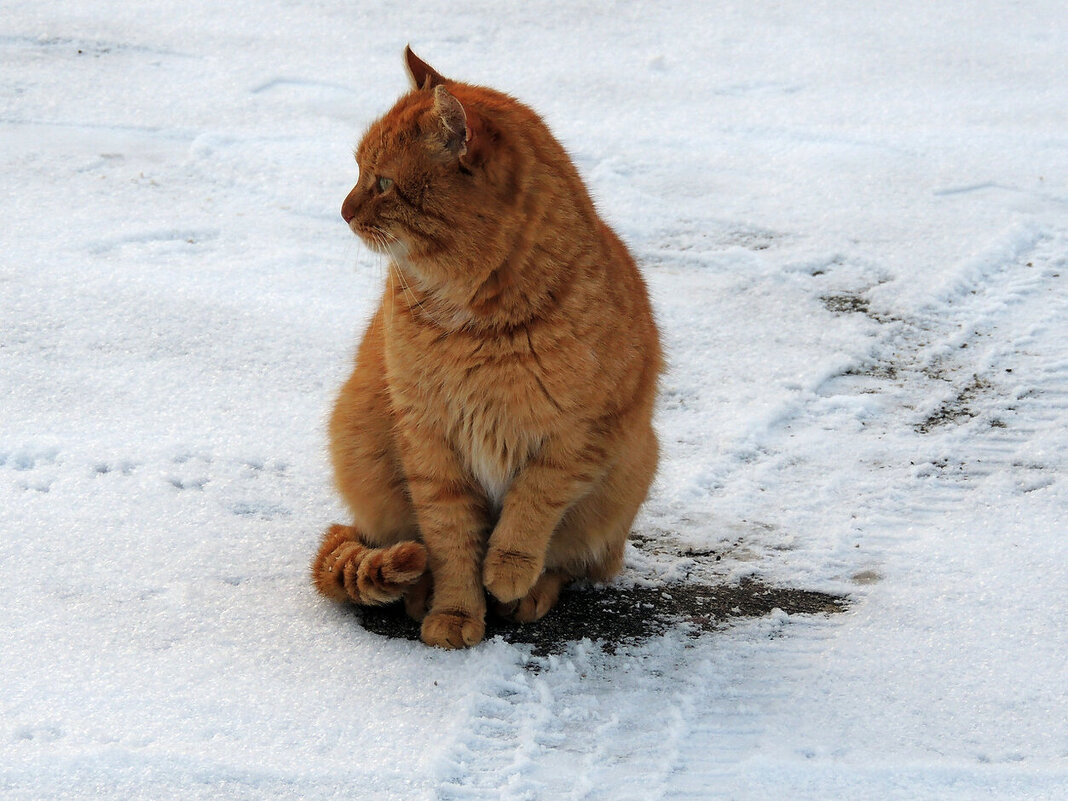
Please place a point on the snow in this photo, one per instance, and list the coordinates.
(853, 224)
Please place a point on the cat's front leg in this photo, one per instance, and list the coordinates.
(541, 494)
(457, 614)
(453, 520)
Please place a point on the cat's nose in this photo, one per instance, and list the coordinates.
(348, 207)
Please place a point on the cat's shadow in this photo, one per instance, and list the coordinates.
(614, 615)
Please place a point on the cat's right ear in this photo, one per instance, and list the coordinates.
(422, 75)
(455, 127)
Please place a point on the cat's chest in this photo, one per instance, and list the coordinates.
(493, 455)
(492, 409)
(493, 428)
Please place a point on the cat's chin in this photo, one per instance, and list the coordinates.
(374, 245)
(377, 242)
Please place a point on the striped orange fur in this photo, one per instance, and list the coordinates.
(500, 409)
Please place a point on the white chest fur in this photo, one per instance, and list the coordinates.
(494, 477)
(494, 451)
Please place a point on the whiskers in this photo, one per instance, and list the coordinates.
(374, 258)
(385, 243)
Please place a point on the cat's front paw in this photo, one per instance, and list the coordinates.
(453, 629)
(510, 575)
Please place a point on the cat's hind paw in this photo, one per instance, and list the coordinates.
(536, 603)
(417, 598)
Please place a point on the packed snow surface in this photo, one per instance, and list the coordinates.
(853, 220)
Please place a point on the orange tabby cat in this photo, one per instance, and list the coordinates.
(497, 428)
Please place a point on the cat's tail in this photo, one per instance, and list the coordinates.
(345, 569)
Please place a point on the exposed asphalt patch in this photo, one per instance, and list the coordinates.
(848, 303)
(615, 616)
(957, 409)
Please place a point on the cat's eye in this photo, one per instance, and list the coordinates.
(384, 184)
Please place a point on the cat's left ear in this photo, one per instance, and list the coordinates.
(454, 124)
(422, 75)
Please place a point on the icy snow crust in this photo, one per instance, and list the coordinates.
(853, 225)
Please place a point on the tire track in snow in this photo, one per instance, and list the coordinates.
(585, 726)
(1002, 395)
(990, 440)
(959, 387)
(1009, 432)
(507, 726)
(670, 720)
(734, 690)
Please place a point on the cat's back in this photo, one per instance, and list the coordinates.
(598, 321)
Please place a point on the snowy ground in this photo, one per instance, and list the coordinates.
(854, 222)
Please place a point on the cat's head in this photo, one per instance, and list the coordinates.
(422, 181)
